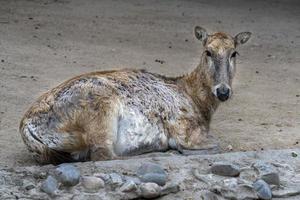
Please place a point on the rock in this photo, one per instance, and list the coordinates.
(294, 154)
(104, 177)
(230, 183)
(116, 179)
(91, 183)
(150, 168)
(263, 189)
(67, 174)
(27, 185)
(50, 186)
(225, 169)
(229, 148)
(128, 186)
(170, 188)
(159, 179)
(149, 172)
(271, 178)
(267, 172)
(150, 190)
(136, 180)
(248, 174)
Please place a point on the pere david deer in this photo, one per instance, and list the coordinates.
(113, 114)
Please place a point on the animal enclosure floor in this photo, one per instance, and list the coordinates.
(43, 43)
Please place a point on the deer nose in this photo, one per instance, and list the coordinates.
(223, 93)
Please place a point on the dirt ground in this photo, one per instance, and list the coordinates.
(44, 42)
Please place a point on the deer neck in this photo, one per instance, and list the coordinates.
(198, 87)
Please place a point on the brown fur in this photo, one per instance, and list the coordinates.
(81, 116)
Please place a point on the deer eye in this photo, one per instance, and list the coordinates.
(234, 54)
(208, 53)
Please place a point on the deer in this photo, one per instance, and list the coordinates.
(107, 115)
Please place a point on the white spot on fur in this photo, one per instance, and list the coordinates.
(136, 131)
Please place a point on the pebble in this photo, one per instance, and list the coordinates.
(28, 185)
(225, 169)
(150, 168)
(128, 186)
(230, 183)
(67, 174)
(103, 176)
(267, 172)
(150, 172)
(294, 154)
(263, 189)
(50, 186)
(248, 174)
(159, 179)
(229, 148)
(136, 180)
(116, 179)
(150, 190)
(91, 183)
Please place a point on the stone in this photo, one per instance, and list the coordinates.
(150, 172)
(248, 174)
(50, 186)
(230, 183)
(146, 168)
(271, 178)
(91, 183)
(136, 180)
(267, 172)
(128, 186)
(116, 179)
(262, 189)
(294, 154)
(225, 169)
(104, 177)
(150, 190)
(229, 148)
(159, 179)
(28, 185)
(67, 174)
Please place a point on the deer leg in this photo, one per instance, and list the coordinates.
(210, 149)
(198, 144)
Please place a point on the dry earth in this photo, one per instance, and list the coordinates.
(43, 42)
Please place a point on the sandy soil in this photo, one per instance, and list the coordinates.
(43, 42)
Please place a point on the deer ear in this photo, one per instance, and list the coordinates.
(242, 38)
(201, 34)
